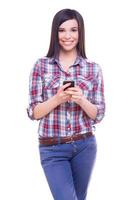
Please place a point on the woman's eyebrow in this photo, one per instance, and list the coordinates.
(74, 27)
(70, 27)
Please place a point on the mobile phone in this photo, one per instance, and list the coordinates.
(71, 85)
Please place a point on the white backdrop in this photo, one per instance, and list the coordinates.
(24, 37)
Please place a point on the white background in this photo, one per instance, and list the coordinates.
(24, 37)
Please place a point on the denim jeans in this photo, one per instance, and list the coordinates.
(68, 168)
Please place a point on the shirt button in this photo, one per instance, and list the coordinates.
(69, 127)
(68, 74)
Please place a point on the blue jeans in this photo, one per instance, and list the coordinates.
(68, 168)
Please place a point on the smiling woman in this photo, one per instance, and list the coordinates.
(67, 115)
(68, 40)
(68, 35)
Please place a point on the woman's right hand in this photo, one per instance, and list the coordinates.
(61, 96)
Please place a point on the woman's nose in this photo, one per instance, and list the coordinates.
(67, 35)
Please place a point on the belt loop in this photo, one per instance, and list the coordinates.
(58, 139)
(85, 136)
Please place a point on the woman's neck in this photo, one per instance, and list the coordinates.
(67, 59)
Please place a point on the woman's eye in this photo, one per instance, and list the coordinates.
(61, 30)
(74, 30)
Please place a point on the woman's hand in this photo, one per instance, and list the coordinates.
(78, 97)
(76, 94)
(62, 96)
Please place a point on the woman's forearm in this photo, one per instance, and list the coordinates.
(42, 109)
(89, 108)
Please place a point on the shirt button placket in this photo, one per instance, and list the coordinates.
(69, 124)
(69, 129)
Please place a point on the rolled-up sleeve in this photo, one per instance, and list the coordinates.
(35, 89)
(98, 96)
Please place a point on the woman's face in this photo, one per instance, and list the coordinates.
(68, 35)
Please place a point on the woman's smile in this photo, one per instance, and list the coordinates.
(68, 35)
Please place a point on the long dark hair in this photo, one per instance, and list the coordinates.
(59, 18)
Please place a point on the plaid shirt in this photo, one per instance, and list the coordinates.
(68, 118)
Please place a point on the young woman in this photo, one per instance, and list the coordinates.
(67, 110)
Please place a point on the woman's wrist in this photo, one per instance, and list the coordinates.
(81, 101)
(56, 100)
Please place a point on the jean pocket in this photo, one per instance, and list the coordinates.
(91, 141)
(48, 154)
(45, 154)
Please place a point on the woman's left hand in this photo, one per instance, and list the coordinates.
(77, 94)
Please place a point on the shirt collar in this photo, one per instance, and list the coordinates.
(79, 61)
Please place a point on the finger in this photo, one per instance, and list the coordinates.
(75, 89)
(72, 92)
(69, 92)
(75, 97)
(64, 87)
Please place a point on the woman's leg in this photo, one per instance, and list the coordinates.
(82, 165)
(56, 166)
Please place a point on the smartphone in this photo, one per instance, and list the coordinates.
(71, 85)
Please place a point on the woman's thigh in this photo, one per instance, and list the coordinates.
(82, 165)
(57, 169)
